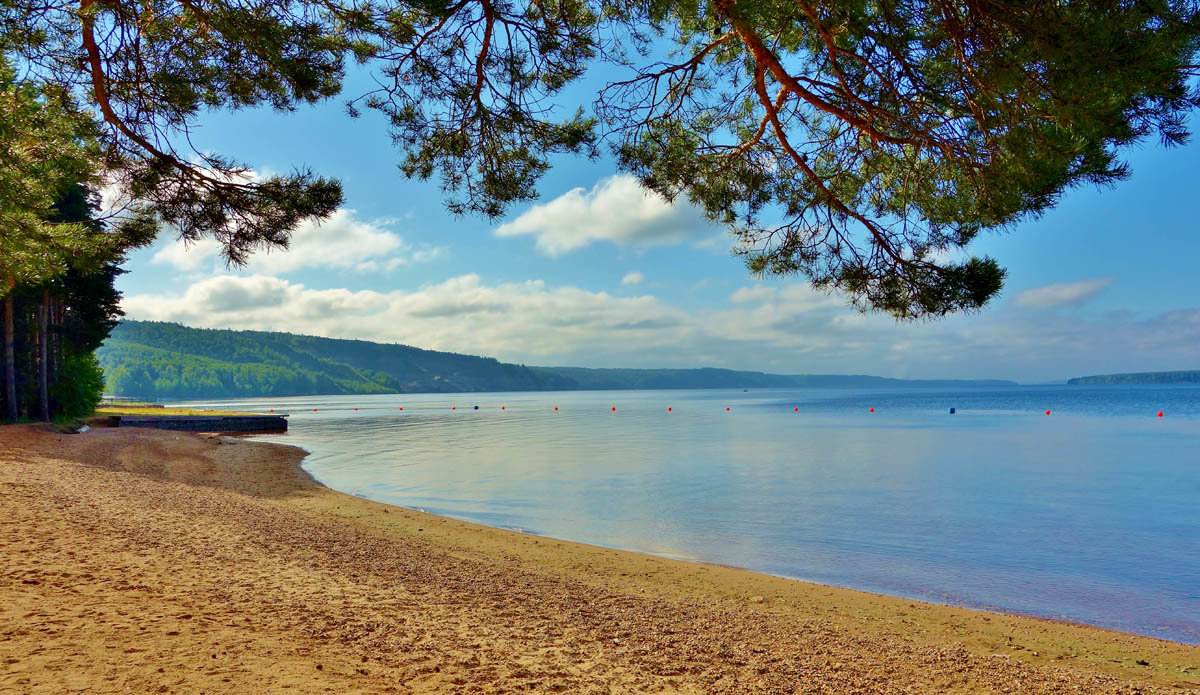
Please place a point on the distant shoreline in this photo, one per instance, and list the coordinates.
(1139, 379)
(167, 361)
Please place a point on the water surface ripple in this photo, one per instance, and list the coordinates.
(1089, 514)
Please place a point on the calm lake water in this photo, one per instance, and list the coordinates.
(1091, 514)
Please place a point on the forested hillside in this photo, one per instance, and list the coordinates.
(169, 361)
(1183, 377)
(166, 360)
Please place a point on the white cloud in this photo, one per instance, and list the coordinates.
(512, 320)
(617, 209)
(185, 256)
(250, 301)
(343, 242)
(633, 278)
(758, 293)
(1061, 294)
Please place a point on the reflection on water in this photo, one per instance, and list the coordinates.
(1089, 514)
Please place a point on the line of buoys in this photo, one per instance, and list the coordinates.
(952, 411)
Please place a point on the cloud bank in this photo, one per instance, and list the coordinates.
(787, 329)
(341, 242)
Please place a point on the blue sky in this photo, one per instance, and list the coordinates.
(598, 274)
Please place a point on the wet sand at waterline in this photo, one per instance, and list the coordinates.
(149, 561)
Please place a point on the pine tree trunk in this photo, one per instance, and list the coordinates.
(10, 362)
(44, 354)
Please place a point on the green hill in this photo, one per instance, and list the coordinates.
(1184, 377)
(168, 361)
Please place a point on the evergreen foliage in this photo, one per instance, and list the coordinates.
(57, 262)
(59, 320)
(861, 144)
(78, 385)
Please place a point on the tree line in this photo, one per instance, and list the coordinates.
(57, 261)
(53, 326)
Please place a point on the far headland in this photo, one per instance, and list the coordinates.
(171, 361)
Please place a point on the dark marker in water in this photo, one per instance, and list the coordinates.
(952, 411)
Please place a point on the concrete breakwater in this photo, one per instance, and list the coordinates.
(203, 423)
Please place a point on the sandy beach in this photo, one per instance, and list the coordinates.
(145, 561)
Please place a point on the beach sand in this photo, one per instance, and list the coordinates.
(146, 561)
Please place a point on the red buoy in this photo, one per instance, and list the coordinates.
(501, 407)
(872, 410)
(668, 409)
(1160, 413)
(1047, 412)
(795, 410)
(402, 409)
(556, 408)
(272, 410)
(314, 410)
(453, 407)
(614, 408)
(356, 408)
(727, 410)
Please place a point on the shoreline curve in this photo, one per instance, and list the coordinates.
(158, 561)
